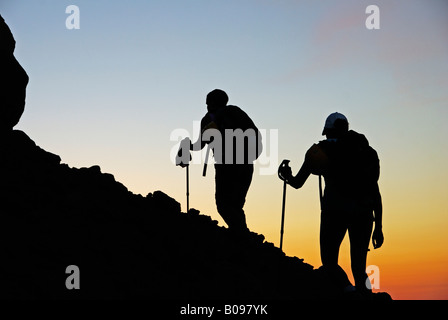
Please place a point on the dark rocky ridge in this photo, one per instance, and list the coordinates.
(126, 245)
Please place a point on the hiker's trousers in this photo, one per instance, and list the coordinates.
(232, 184)
(334, 225)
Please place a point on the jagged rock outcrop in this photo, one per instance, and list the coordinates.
(13, 82)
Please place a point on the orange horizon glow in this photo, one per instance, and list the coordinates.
(412, 261)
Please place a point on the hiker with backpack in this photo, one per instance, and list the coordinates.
(351, 200)
(236, 142)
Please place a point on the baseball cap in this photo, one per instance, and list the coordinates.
(331, 119)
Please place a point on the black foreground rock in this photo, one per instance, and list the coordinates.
(127, 245)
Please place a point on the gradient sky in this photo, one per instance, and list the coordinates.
(113, 92)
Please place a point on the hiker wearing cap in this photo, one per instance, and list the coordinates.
(236, 143)
(351, 200)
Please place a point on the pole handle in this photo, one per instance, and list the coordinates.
(284, 164)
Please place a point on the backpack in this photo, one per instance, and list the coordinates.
(354, 164)
(362, 164)
(234, 123)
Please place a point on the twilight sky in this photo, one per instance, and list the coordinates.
(134, 77)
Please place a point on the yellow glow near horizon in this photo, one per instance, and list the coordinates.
(412, 257)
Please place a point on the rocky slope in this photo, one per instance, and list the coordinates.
(126, 245)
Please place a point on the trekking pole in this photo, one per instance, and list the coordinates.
(204, 171)
(181, 161)
(188, 190)
(284, 164)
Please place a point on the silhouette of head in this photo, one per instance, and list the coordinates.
(216, 99)
(335, 125)
(13, 81)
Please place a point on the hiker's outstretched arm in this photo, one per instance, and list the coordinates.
(200, 143)
(301, 176)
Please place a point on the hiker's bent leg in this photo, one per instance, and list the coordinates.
(232, 184)
(332, 231)
(360, 231)
(243, 179)
(222, 185)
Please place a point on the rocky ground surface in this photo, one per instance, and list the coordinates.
(127, 245)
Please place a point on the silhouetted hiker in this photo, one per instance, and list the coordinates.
(236, 143)
(351, 201)
(13, 81)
